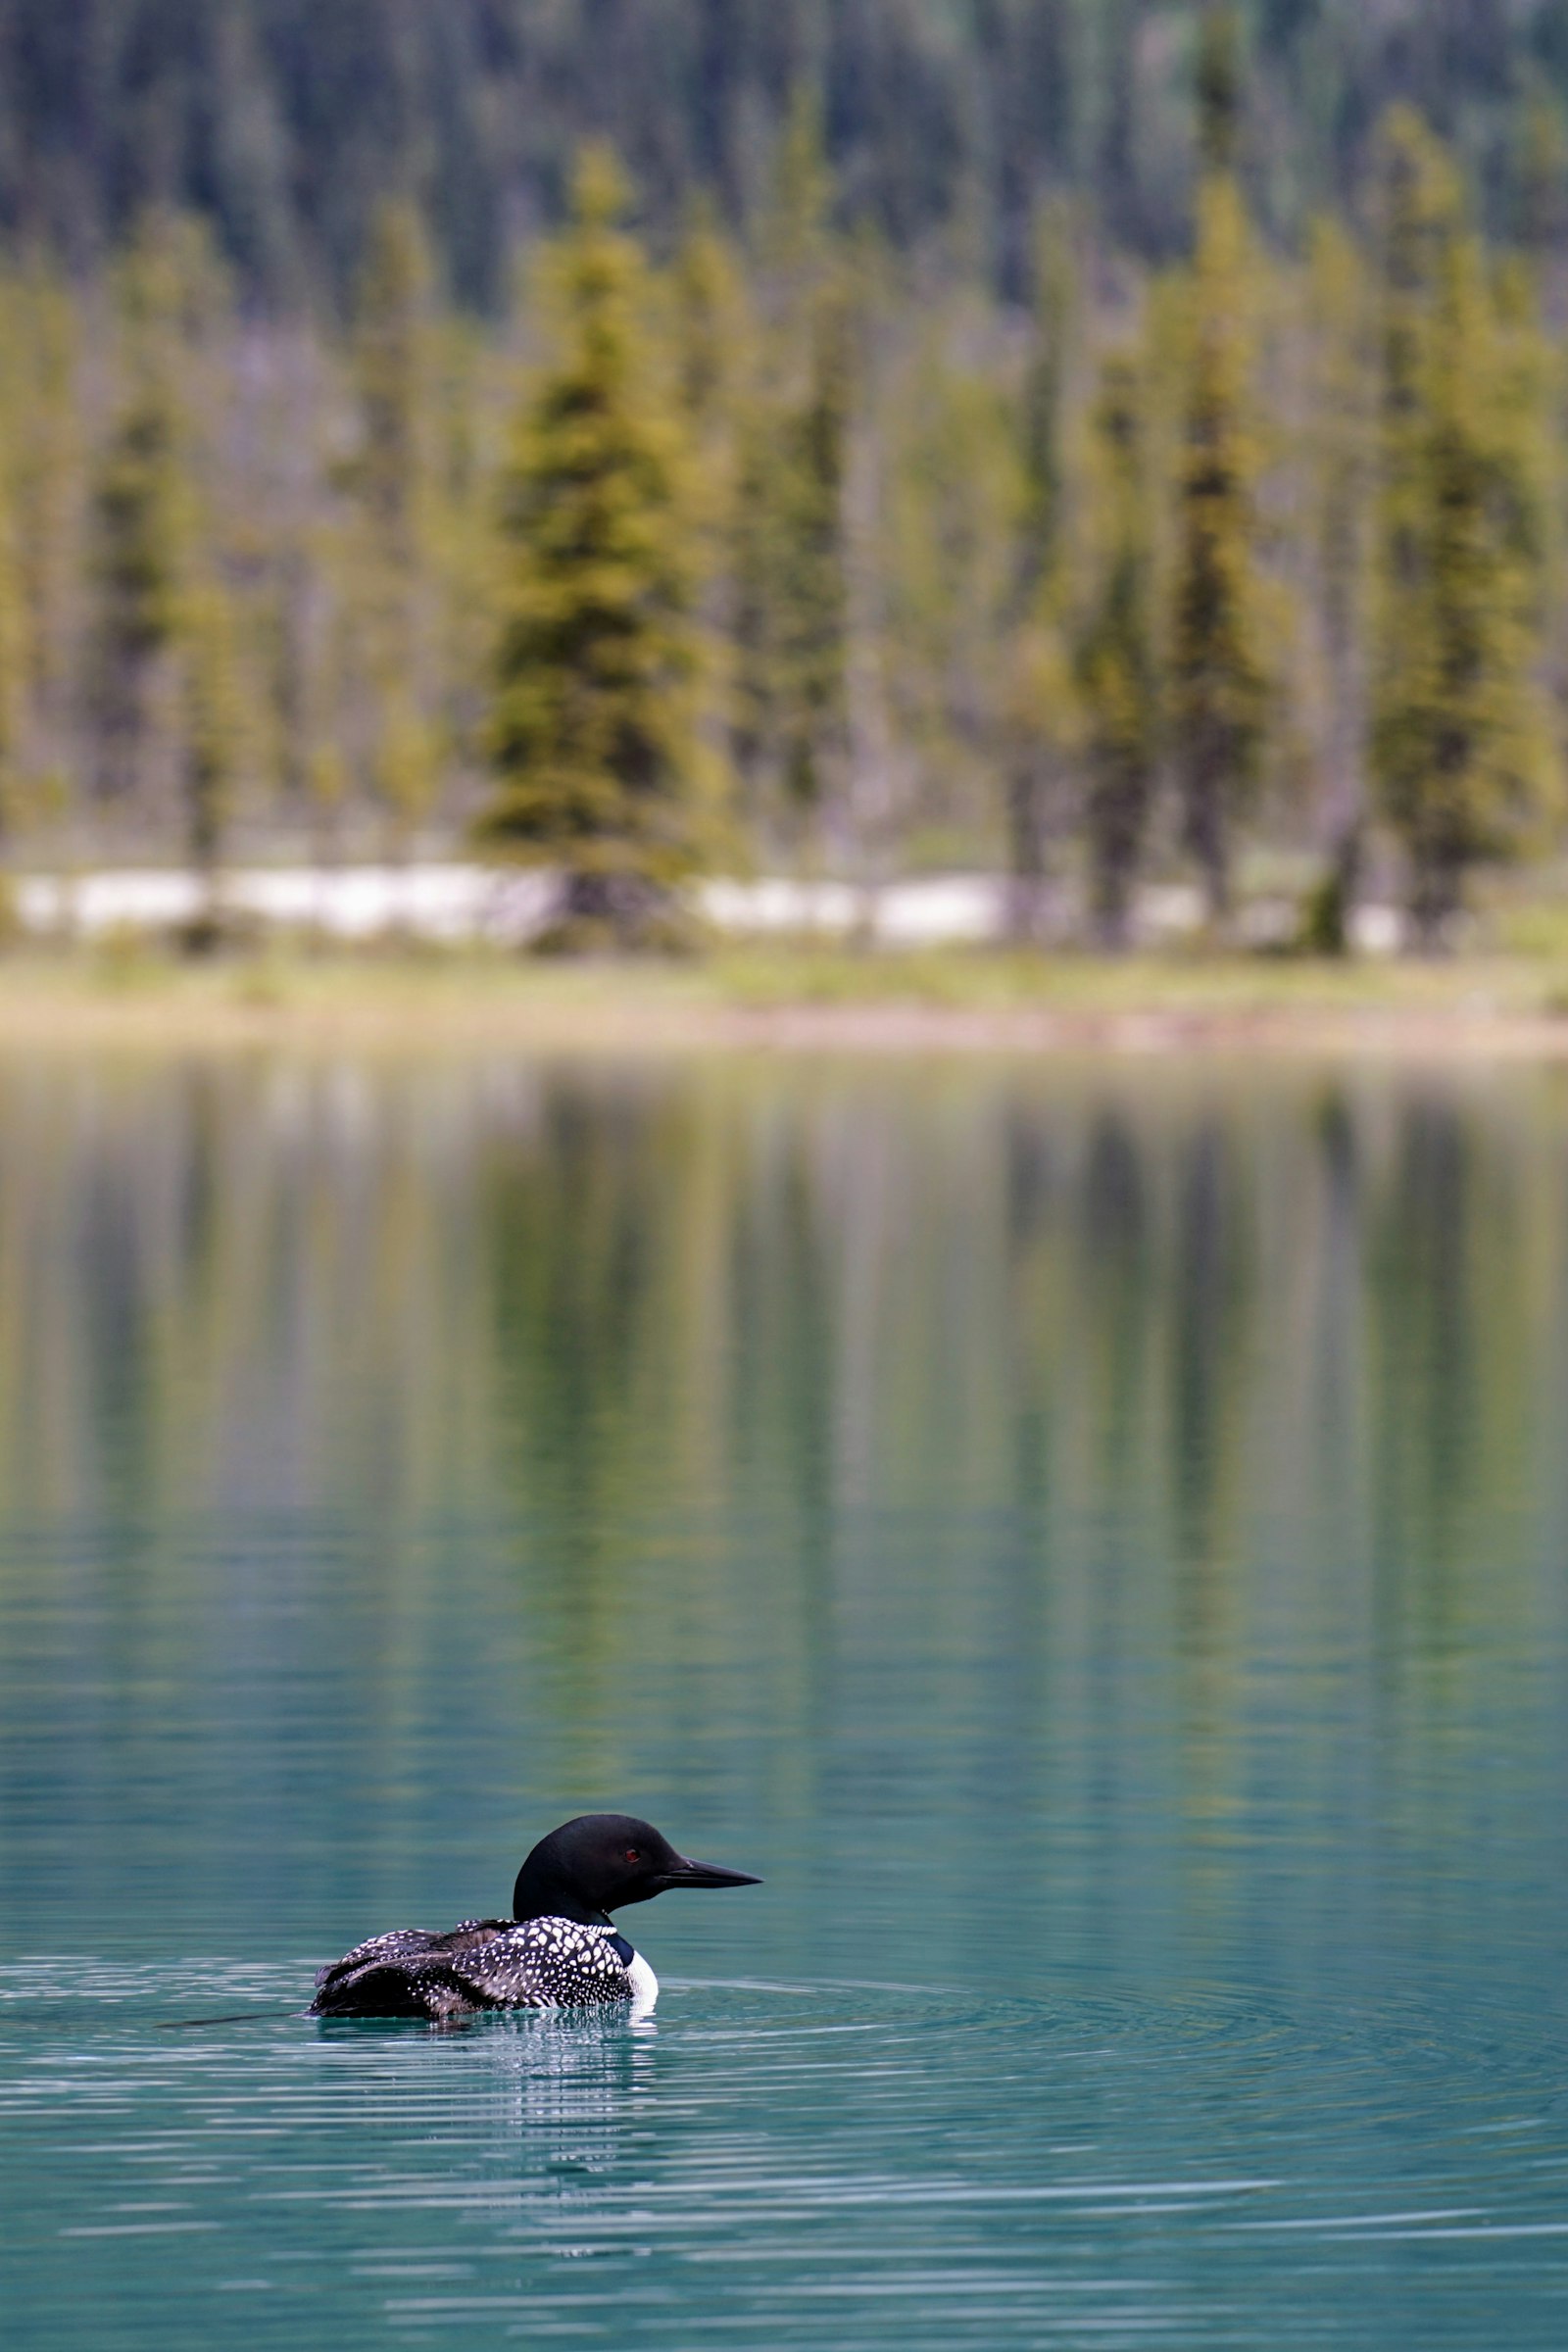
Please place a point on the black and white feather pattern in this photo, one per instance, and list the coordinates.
(481, 1964)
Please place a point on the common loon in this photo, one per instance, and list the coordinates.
(557, 1950)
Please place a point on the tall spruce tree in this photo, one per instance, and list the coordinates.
(810, 583)
(1338, 446)
(712, 347)
(1040, 726)
(592, 733)
(393, 476)
(167, 701)
(16, 628)
(1459, 745)
(210, 749)
(44, 434)
(138, 549)
(1218, 700)
(1115, 666)
(792, 589)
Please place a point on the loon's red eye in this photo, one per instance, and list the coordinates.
(632, 1855)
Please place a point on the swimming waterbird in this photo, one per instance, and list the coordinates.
(557, 1950)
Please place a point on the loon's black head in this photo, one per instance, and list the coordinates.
(599, 1863)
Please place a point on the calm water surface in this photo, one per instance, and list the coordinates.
(1096, 1539)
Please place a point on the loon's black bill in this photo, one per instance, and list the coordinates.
(705, 1873)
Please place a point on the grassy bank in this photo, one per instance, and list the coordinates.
(792, 997)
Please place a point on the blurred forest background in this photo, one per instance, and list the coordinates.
(1094, 439)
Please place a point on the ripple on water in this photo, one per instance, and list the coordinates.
(770, 2162)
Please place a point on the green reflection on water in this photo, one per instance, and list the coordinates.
(1070, 1528)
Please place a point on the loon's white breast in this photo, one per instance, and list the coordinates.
(644, 1986)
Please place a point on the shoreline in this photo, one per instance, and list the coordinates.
(1514, 1009)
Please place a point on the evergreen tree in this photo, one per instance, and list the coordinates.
(791, 608)
(1040, 727)
(809, 585)
(1339, 439)
(139, 532)
(1055, 328)
(711, 333)
(168, 702)
(972, 699)
(592, 735)
(16, 663)
(1541, 173)
(1116, 665)
(1217, 683)
(394, 478)
(40, 484)
(391, 360)
(1459, 740)
(47, 498)
(713, 348)
(1219, 89)
(211, 733)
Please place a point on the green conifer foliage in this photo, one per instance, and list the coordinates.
(47, 494)
(1115, 667)
(394, 571)
(1040, 724)
(1218, 691)
(1219, 87)
(592, 732)
(211, 729)
(169, 710)
(1338, 444)
(713, 348)
(1459, 746)
(39, 486)
(16, 639)
(1540, 175)
(709, 329)
(1056, 326)
(391, 361)
(792, 590)
(141, 503)
(809, 585)
(970, 697)
(830, 508)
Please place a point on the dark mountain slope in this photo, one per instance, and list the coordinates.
(287, 119)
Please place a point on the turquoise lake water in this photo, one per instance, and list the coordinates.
(1094, 1537)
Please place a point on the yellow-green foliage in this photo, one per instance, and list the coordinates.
(1460, 745)
(168, 677)
(1340, 381)
(43, 464)
(16, 661)
(1218, 690)
(790, 589)
(1040, 721)
(1116, 660)
(809, 587)
(955, 500)
(394, 577)
(851, 524)
(710, 331)
(791, 580)
(212, 727)
(592, 733)
(144, 505)
(392, 359)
